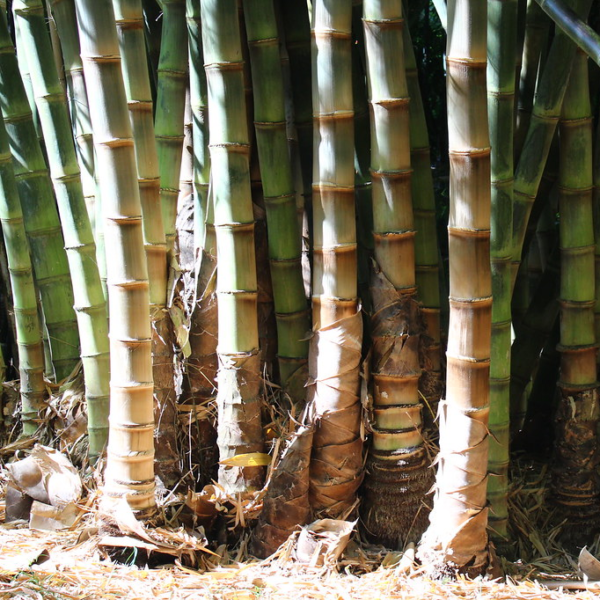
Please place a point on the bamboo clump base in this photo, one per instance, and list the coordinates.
(74, 563)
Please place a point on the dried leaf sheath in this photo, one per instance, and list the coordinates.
(286, 505)
(456, 539)
(336, 462)
(334, 353)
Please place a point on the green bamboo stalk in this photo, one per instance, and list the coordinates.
(535, 328)
(56, 46)
(574, 484)
(596, 212)
(29, 341)
(362, 159)
(26, 78)
(397, 469)
(296, 30)
(546, 111)
(65, 18)
(427, 272)
(41, 220)
(334, 355)
(537, 26)
(130, 32)
(577, 29)
(502, 39)
(130, 460)
(238, 399)
(170, 106)
(198, 101)
(278, 188)
(460, 504)
(90, 306)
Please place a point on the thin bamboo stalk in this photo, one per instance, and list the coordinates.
(334, 355)
(172, 81)
(29, 340)
(199, 386)
(456, 538)
(537, 26)
(130, 460)
(238, 398)
(427, 272)
(577, 29)
(544, 119)
(200, 135)
(502, 39)
(64, 15)
(90, 306)
(41, 220)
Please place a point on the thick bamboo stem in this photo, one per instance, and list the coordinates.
(397, 476)
(278, 188)
(575, 484)
(129, 21)
(456, 538)
(130, 460)
(334, 356)
(238, 398)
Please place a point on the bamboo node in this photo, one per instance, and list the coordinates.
(144, 105)
(327, 32)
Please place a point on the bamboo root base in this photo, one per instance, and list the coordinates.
(395, 509)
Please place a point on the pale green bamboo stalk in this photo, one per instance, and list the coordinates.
(41, 220)
(460, 503)
(238, 398)
(170, 106)
(29, 340)
(501, 42)
(130, 459)
(65, 18)
(130, 30)
(200, 135)
(336, 462)
(90, 306)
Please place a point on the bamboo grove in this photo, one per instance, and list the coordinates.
(228, 218)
